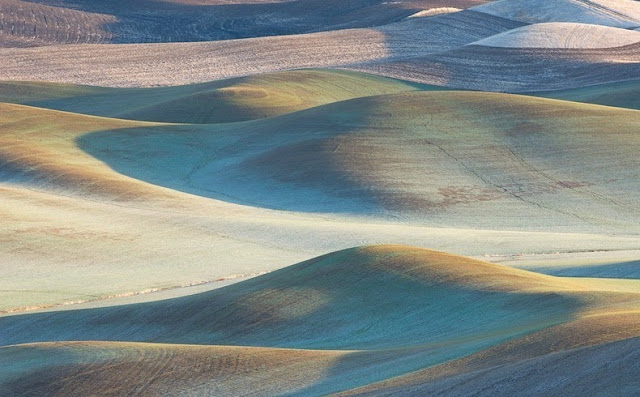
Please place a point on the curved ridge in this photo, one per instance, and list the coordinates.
(562, 35)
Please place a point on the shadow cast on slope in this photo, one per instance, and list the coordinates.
(625, 270)
(353, 299)
(219, 161)
(517, 70)
(182, 21)
(408, 308)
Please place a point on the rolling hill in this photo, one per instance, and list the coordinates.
(562, 36)
(65, 369)
(292, 307)
(46, 22)
(392, 308)
(99, 215)
(136, 65)
(232, 100)
(518, 69)
(622, 95)
(616, 13)
(448, 158)
(439, 50)
(253, 97)
(155, 369)
(599, 353)
(78, 249)
(263, 197)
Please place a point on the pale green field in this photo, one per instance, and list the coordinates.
(110, 217)
(222, 101)
(451, 159)
(374, 313)
(622, 95)
(86, 214)
(319, 197)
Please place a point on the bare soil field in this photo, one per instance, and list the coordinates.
(616, 13)
(148, 64)
(563, 35)
(517, 70)
(436, 50)
(27, 23)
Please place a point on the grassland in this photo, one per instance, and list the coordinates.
(168, 167)
(76, 250)
(408, 155)
(86, 195)
(70, 368)
(510, 315)
(622, 95)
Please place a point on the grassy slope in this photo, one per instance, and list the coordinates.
(455, 158)
(322, 159)
(594, 353)
(63, 206)
(69, 218)
(82, 368)
(597, 315)
(76, 249)
(291, 307)
(371, 298)
(291, 91)
(233, 100)
(83, 231)
(623, 95)
(115, 369)
(38, 147)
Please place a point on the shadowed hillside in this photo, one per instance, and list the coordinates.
(516, 69)
(61, 205)
(437, 50)
(78, 368)
(597, 352)
(100, 215)
(148, 64)
(623, 95)
(292, 307)
(114, 369)
(46, 22)
(369, 299)
(454, 158)
(183, 183)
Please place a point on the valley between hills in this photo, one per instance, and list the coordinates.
(419, 197)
